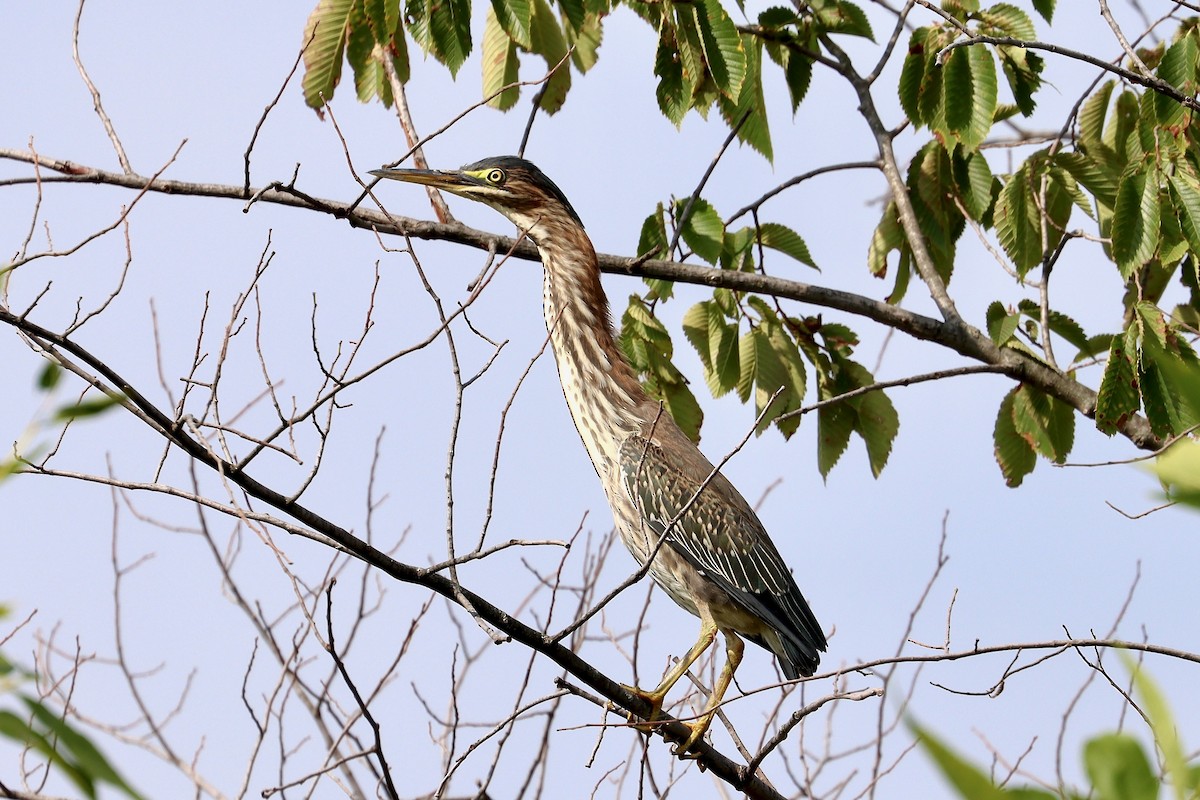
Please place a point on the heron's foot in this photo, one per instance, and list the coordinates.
(655, 700)
(698, 728)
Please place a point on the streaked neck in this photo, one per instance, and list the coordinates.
(599, 384)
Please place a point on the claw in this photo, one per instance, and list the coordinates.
(698, 728)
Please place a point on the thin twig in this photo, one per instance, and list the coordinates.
(95, 93)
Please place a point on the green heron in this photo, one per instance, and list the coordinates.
(703, 541)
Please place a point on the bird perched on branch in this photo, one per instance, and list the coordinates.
(704, 544)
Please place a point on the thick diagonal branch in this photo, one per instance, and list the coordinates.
(111, 382)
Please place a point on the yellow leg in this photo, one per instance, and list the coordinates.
(708, 632)
(733, 652)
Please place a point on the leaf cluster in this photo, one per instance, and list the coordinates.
(750, 346)
(703, 58)
(1133, 172)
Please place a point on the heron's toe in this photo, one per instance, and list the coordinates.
(698, 728)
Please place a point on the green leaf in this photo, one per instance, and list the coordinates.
(586, 42)
(1118, 396)
(872, 416)
(1168, 374)
(682, 406)
(1001, 325)
(1017, 222)
(376, 14)
(716, 341)
(1061, 180)
(970, 781)
(778, 17)
(365, 55)
(1013, 452)
(931, 176)
(1179, 470)
(723, 49)
(1178, 68)
(1172, 247)
(835, 423)
(785, 240)
(516, 18)
(1166, 733)
(576, 13)
(1162, 411)
(1185, 192)
(376, 34)
(653, 240)
(912, 76)
(17, 729)
(1060, 323)
(1023, 70)
(500, 64)
(1095, 346)
(1098, 178)
(958, 88)
(647, 344)
(49, 377)
(772, 383)
(840, 16)
(984, 98)
(695, 328)
(737, 251)
(1060, 198)
(1092, 114)
(974, 179)
(794, 374)
(888, 236)
(878, 425)
(763, 374)
(86, 408)
(8, 468)
(674, 98)
(1118, 768)
(725, 369)
(690, 50)
(1007, 20)
(1045, 8)
(931, 101)
(550, 43)
(747, 355)
(798, 75)
(443, 29)
(397, 45)
(749, 107)
(1121, 125)
(1046, 423)
(1135, 224)
(325, 35)
(89, 760)
(703, 230)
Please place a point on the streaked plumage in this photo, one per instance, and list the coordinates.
(717, 560)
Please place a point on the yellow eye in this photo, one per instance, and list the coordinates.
(496, 177)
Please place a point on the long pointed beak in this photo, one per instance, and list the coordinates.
(455, 182)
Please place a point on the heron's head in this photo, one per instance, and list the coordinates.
(513, 186)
